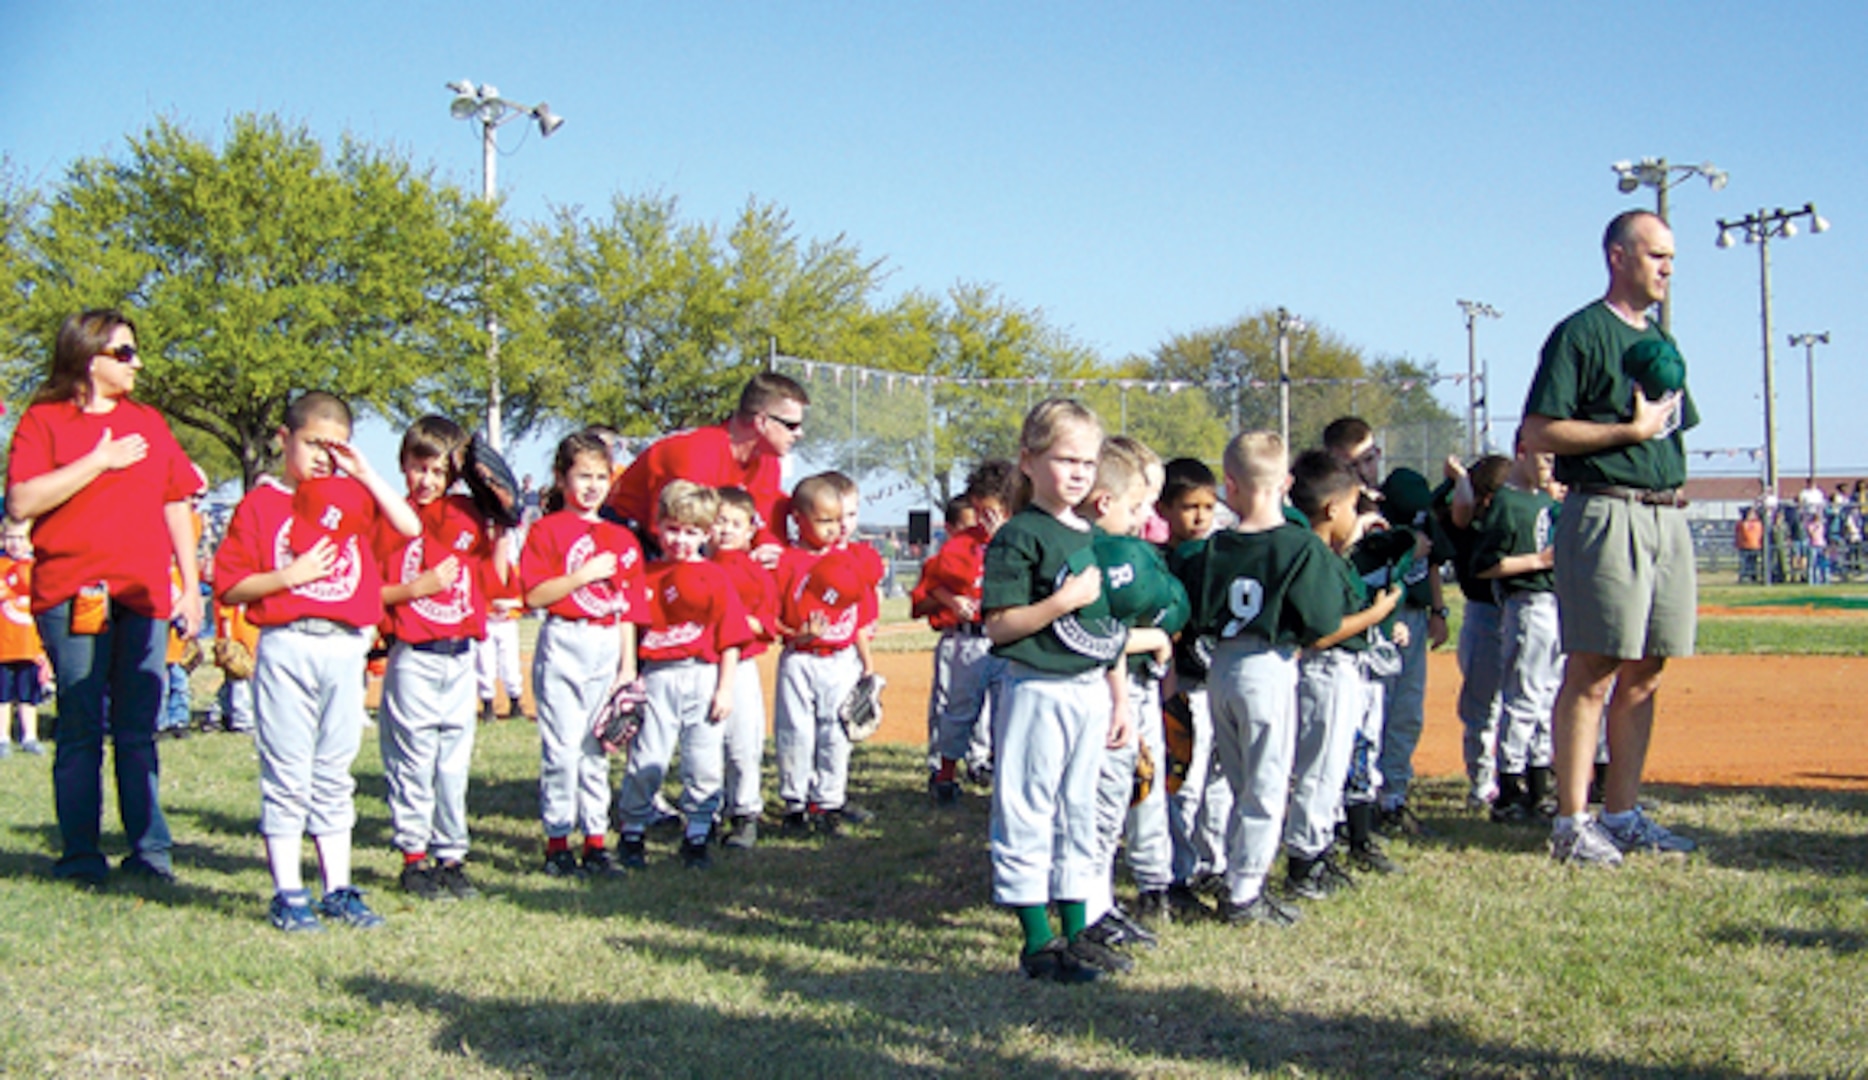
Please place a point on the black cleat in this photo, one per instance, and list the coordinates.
(1054, 962)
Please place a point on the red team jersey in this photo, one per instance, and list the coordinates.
(758, 594)
(560, 544)
(833, 581)
(495, 590)
(450, 526)
(960, 568)
(695, 613)
(704, 456)
(19, 634)
(259, 540)
(84, 539)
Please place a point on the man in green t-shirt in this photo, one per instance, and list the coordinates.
(1610, 400)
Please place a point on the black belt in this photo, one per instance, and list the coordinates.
(969, 629)
(442, 646)
(1673, 497)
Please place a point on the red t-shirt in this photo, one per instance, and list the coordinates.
(703, 456)
(19, 634)
(694, 613)
(831, 581)
(560, 543)
(113, 529)
(496, 590)
(259, 540)
(960, 568)
(450, 526)
(870, 564)
(758, 594)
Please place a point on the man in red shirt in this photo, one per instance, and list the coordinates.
(747, 451)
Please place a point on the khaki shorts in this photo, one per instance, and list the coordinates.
(1625, 579)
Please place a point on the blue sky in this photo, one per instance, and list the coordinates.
(1134, 170)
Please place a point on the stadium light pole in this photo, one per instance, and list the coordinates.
(483, 105)
(1288, 324)
(1809, 343)
(1760, 228)
(1475, 311)
(1663, 176)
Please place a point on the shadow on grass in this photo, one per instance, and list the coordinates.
(896, 1021)
(1839, 942)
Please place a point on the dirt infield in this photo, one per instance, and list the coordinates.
(1725, 721)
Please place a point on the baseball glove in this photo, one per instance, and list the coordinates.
(191, 654)
(489, 480)
(1144, 776)
(621, 715)
(861, 711)
(1177, 718)
(233, 658)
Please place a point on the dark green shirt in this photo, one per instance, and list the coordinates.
(1581, 378)
(1193, 650)
(1283, 584)
(1028, 559)
(1517, 523)
(1139, 588)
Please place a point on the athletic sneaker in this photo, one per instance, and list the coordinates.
(452, 878)
(829, 822)
(856, 814)
(418, 880)
(560, 863)
(1263, 910)
(600, 862)
(635, 854)
(795, 823)
(1054, 962)
(1316, 879)
(1186, 904)
(944, 792)
(744, 834)
(1643, 833)
(1152, 906)
(1587, 844)
(1371, 859)
(1399, 820)
(291, 912)
(980, 775)
(1133, 932)
(33, 747)
(694, 855)
(346, 906)
(1098, 955)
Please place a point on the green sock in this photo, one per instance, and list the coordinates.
(1036, 923)
(1074, 917)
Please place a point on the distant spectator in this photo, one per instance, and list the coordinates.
(1749, 539)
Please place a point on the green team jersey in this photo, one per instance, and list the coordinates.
(1517, 523)
(1355, 597)
(1193, 649)
(1282, 584)
(1139, 588)
(1029, 558)
(1581, 377)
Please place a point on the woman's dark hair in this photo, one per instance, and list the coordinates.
(81, 338)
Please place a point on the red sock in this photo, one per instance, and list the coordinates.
(948, 767)
(593, 843)
(555, 844)
(410, 858)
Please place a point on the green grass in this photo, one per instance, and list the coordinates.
(880, 954)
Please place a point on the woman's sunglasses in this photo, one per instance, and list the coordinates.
(123, 354)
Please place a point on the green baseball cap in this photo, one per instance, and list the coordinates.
(1656, 364)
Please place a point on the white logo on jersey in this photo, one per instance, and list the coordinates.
(448, 607)
(1416, 573)
(331, 518)
(335, 587)
(599, 598)
(1121, 575)
(674, 637)
(17, 603)
(1101, 640)
(1245, 598)
(843, 629)
(1542, 532)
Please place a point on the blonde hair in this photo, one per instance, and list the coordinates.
(1118, 469)
(687, 503)
(1257, 459)
(1044, 425)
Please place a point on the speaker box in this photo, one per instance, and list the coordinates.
(920, 527)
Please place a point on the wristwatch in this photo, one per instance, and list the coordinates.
(1442, 611)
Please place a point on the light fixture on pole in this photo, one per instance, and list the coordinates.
(1662, 176)
(484, 105)
(1288, 324)
(1809, 343)
(1474, 312)
(1760, 228)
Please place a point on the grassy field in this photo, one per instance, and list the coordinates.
(879, 954)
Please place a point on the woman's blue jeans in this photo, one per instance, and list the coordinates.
(110, 682)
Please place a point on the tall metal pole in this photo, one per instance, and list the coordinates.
(1809, 343)
(1287, 323)
(489, 187)
(1473, 310)
(1660, 207)
(1770, 363)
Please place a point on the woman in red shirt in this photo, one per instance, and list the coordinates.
(98, 475)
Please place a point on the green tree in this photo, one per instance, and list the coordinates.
(659, 322)
(266, 267)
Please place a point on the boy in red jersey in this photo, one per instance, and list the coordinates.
(297, 554)
(437, 610)
(688, 657)
(821, 593)
(959, 703)
(733, 531)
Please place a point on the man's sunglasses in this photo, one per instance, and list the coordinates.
(793, 426)
(124, 354)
